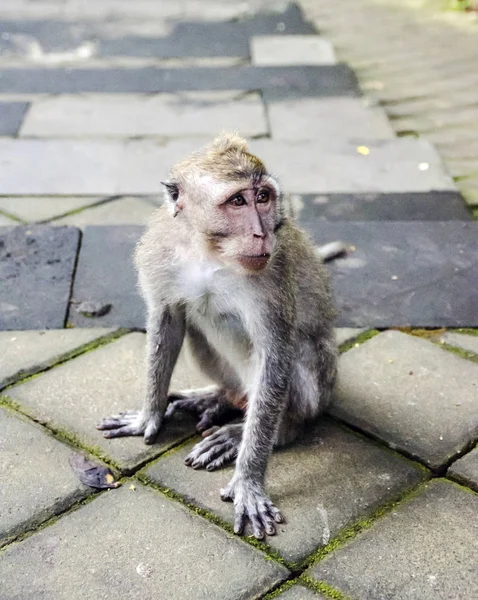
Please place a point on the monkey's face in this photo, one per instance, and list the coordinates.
(240, 224)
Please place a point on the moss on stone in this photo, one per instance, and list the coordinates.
(322, 588)
(357, 341)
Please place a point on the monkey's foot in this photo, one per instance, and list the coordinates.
(217, 450)
(208, 406)
(131, 422)
(251, 504)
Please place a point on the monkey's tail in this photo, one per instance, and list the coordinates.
(332, 250)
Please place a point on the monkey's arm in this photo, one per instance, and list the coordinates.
(165, 335)
(265, 406)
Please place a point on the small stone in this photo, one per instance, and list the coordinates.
(93, 309)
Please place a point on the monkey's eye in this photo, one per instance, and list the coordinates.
(237, 200)
(263, 196)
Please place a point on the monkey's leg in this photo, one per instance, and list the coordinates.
(216, 450)
(210, 404)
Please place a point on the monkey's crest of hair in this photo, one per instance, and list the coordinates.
(225, 158)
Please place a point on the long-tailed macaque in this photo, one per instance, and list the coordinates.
(222, 264)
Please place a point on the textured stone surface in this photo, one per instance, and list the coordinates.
(325, 80)
(425, 206)
(426, 548)
(326, 481)
(328, 119)
(411, 394)
(150, 556)
(25, 352)
(58, 167)
(33, 208)
(461, 340)
(36, 268)
(122, 211)
(36, 480)
(165, 115)
(345, 334)
(105, 273)
(416, 273)
(465, 470)
(391, 166)
(11, 116)
(75, 396)
(299, 592)
(275, 50)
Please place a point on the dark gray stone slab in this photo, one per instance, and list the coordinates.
(11, 116)
(421, 274)
(413, 206)
(425, 549)
(136, 544)
(328, 479)
(105, 274)
(36, 270)
(187, 39)
(326, 80)
(465, 470)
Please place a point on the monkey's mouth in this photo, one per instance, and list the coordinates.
(254, 262)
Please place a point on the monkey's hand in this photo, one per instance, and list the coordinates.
(132, 422)
(251, 504)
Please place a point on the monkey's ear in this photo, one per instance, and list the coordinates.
(172, 189)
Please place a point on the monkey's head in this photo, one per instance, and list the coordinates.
(229, 200)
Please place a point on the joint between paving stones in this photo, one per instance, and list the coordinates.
(23, 376)
(72, 280)
(79, 210)
(5, 213)
(358, 340)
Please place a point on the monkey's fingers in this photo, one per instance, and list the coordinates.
(124, 431)
(116, 421)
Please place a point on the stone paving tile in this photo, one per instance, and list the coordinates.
(415, 206)
(36, 270)
(328, 480)
(76, 395)
(411, 394)
(461, 340)
(105, 273)
(137, 553)
(345, 334)
(34, 209)
(25, 352)
(165, 115)
(328, 119)
(275, 50)
(11, 116)
(391, 166)
(420, 274)
(299, 592)
(58, 167)
(324, 80)
(465, 470)
(426, 548)
(36, 480)
(6, 222)
(123, 211)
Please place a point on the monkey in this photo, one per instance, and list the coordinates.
(222, 266)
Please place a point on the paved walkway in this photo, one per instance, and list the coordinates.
(96, 100)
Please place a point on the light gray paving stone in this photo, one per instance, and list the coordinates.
(58, 167)
(164, 115)
(299, 592)
(328, 119)
(75, 396)
(327, 480)
(6, 222)
(345, 334)
(25, 352)
(465, 470)
(391, 166)
(276, 50)
(461, 340)
(412, 394)
(34, 209)
(426, 548)
(136, 544)
(123, 211)
(36, 480)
